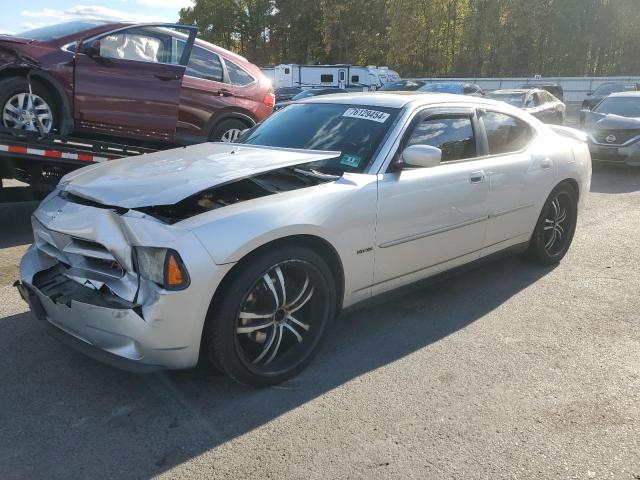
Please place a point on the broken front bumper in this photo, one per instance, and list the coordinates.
(129, 322)
(37, 302)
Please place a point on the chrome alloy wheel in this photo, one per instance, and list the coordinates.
(275, 324)
(556, 224)
(230, 135)
(22, 111)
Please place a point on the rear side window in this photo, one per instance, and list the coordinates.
(204, 64)
(505, 133)
(453, 135)
(237, 76)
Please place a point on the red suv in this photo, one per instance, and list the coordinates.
(143, 81)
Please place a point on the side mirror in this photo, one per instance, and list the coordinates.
(422, 156)
(589, 94)
(92, 49)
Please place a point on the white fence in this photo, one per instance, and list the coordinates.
(575, 88)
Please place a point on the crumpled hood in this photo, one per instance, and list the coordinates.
(166, 177)
(597, 121)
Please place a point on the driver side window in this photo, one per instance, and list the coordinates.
(141, 44)
(451, 134)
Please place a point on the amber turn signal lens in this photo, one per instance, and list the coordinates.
(175, 276)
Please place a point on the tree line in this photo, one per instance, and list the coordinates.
(457, 38)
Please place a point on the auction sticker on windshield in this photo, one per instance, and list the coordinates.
(366, 114)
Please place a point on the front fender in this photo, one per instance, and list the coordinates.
(342, 214)
(240, 243)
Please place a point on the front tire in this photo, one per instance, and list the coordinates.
(271, 316)
(556, 226)
(21, 111)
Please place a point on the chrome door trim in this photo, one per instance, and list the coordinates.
(512, 210)
(439, 263)
(430, 233)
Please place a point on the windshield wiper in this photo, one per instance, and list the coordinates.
(309, 172)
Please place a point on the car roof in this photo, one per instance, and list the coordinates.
(395, 99)
(514, 90)
(631, 93)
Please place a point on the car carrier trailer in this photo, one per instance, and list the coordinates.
(42, 160)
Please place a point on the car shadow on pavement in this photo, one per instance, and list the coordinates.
(63, 415)
(615, 179)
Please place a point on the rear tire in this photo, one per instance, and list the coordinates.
(555, 228)
(227, 131)
(260, 334)
(16, 112)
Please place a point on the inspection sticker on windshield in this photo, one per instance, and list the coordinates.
(350, 160)
(366, 114)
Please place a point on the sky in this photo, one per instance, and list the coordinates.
(20, 15)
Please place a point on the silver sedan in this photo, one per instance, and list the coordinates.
(238, 256)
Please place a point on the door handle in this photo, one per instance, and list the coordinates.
(545, 164)
(225, 93)
(166, 78)
(476, 177)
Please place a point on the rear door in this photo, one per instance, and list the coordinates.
(519, 167)
(128, 81)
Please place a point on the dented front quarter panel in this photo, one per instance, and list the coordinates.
(341, 213)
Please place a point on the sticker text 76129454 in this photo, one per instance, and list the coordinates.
(366, 114)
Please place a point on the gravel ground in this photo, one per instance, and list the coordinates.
(509, 371)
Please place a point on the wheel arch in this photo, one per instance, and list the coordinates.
(46, 80)
(573, 183)
(243, 117)
(315, 243)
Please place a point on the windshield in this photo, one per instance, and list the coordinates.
(53, 32)
(608, 88)
(515, 99)
(625, 107)
(442, 88)
(354, 130)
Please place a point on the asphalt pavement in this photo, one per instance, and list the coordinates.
(509, 371)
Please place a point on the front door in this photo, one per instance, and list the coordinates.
(431, 219)
(128, 82)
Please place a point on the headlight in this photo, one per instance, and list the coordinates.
(162, 266)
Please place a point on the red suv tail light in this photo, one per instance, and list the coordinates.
(269, 100)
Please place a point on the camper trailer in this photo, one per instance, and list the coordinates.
(342, 76)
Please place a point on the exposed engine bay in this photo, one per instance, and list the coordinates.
(269, 183)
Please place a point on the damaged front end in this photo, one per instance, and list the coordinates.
(113, 272)
(111, 283)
